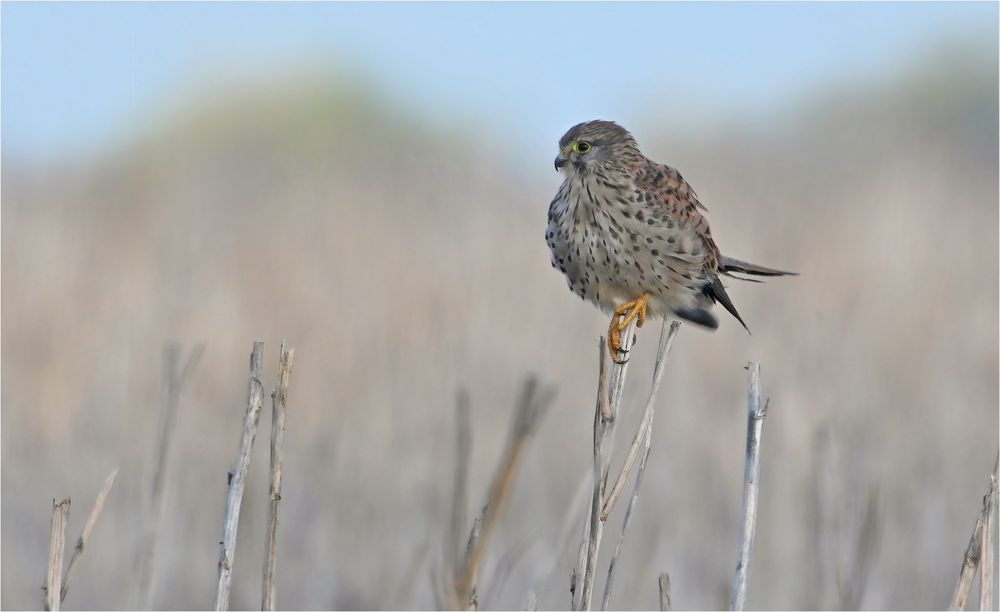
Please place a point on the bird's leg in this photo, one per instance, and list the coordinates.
(623, 317)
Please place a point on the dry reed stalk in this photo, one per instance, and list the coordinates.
(609, 395)
(970, 562)
(173, 382)
(973, 553)
(664, 592)
(986, 564)
(667, 335)
(88, 528)
(751, 488)
(278, 404)
(57, 546)
(603, 426)
(527, 415)
(237, 478)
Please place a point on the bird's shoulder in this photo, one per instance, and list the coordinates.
(667, 187)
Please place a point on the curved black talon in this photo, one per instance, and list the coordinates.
(623, 352)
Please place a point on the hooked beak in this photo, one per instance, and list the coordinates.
(560, 161)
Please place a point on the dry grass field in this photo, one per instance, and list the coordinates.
(403, 262)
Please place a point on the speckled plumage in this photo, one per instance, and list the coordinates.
(622, 225)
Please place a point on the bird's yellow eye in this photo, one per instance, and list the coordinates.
(582, 147)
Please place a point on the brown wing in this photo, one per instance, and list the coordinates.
(683, 222)
(690, 239)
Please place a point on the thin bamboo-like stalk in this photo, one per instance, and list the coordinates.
(664, 592)
(667, 335)
(970, 562)
(645, 430)
(986, 565)
(278, 405)
(237, 478)
(609, 396)
(57, 546)
(603, 426)
(88, 529)
(751, 485)
(973, 552)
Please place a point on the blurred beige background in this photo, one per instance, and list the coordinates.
(403, 257)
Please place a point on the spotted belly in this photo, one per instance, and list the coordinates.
(609, 266)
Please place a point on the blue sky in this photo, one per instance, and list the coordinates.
(76, 76)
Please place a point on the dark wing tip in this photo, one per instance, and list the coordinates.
(717, 293)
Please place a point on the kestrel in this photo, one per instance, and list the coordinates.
(629, 235)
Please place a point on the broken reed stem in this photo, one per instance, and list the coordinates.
(986, 563)
(173, 382)
(645, 431)
(530, 409)
(667, 335)
(664, 592)
(88, 528)
(57, 546)
(968, 572)
(278, 403)
(751, 477)
(603, 425)
(974, 550)
(609, 395)
(237, 478)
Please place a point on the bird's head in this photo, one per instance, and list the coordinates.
(595, 144)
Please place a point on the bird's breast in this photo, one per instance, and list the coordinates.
(588, 243)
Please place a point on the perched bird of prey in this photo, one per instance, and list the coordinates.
(630, 236)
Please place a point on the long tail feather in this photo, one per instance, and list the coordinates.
(730, 264)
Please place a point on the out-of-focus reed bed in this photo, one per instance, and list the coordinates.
(405, 261)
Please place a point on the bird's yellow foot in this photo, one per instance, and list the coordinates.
(623, 317)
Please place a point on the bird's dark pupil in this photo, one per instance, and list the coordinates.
(584, 147)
